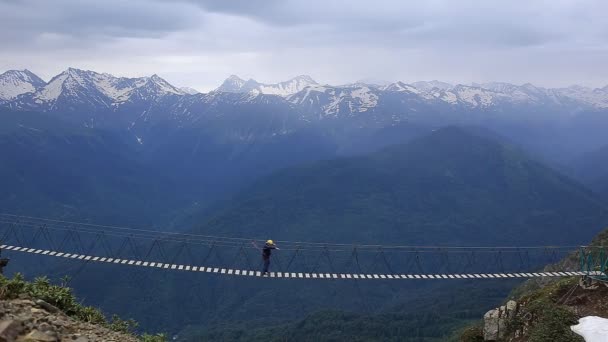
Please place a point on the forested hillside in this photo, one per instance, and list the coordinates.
(449, 188)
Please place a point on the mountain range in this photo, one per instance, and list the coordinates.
(453, 172)
(226, 138)
(76, 89)
(235, 84)
(557, 124)
(299, 160)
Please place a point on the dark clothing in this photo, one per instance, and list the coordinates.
(266, 252)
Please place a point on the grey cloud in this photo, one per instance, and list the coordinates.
(334, 41)
(87, 18)
(516, 23)
(376, 16)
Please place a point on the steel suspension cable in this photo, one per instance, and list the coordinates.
(226, 239)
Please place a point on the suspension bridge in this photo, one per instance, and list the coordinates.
(240, 257)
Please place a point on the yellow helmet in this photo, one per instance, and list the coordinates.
(270, 242)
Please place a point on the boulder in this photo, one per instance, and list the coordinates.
(495, 321)
(46, 306)
(39, 336)
(491, 325)
(9, 330)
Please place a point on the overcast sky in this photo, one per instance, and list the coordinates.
(199, 43)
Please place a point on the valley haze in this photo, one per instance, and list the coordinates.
(408, 171)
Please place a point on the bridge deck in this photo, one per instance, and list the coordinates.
(297, 275)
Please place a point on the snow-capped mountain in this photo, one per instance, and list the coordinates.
(335, 101)
(152, 113)
(400, 86)
(98, 99)
(235, 84)
(18, 82)
(596, 97)
(430, 85)
(76, 89)
(232, 84)
(80, 89)
(495, 94)
(189, 91)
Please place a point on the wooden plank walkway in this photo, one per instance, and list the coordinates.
(296, 275)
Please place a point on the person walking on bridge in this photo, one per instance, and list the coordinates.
(266, 252)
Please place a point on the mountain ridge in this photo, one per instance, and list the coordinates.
(14, 83)
(149, 109)
(415, 167)
(235, 84)
(596, 97)
(451, 188)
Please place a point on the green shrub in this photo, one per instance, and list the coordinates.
(153, 338)
(63, 298)
(472, 334)
(90, 314)
(552, 323)
(123, 326)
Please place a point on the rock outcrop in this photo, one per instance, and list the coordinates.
(553, 307)
(37, 321)
(495, 321)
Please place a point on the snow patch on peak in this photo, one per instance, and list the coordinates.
(232, 84)
(53, 89)
(287, 88)
(497, 86)
(304, 79)
(18, 82)
(430, 85)
(189, 91)
(595, 97)
(474, 96)
(365, 98)
(307, 94)
(89, 83)
(401, 87)
(162, 87)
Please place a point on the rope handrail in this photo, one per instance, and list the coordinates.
(295, 275)
(237, 241)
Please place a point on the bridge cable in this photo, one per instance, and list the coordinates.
(319, 245)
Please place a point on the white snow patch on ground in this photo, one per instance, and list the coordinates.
(592, 329)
